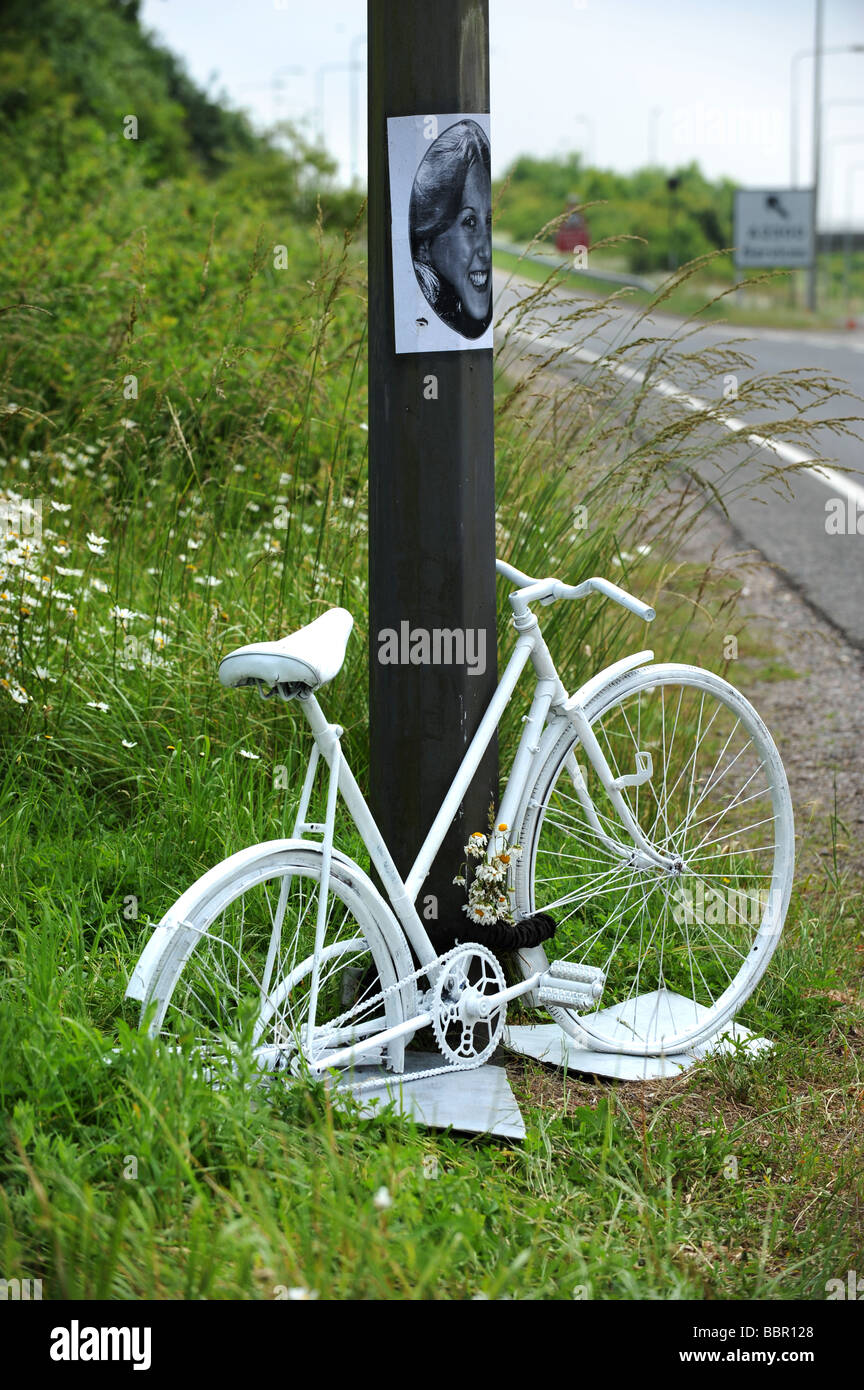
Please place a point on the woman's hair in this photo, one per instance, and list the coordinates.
(436, 197)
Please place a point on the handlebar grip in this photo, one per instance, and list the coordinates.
(546, 591)
(610, 590)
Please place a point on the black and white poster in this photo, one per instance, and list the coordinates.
(441, 203)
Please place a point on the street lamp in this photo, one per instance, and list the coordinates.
(319, 89)
(277, 83)
(845, 140)
(589, 130)
(793, 113)
(355, 65)
(653, 142)
(274, 86)
(847, 237)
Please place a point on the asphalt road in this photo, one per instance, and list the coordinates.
(811, 533)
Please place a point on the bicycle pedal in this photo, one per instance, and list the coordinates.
(584, 974)
(569, 998)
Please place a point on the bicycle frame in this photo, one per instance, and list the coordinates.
(550, 702)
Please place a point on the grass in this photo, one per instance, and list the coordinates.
(224, 503)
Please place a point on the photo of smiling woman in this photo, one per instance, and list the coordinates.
(450, 221)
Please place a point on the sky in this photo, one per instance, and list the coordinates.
(626, 82)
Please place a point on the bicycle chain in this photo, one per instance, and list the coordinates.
(335, 1024)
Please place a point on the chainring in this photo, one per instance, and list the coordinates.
(462, 1037)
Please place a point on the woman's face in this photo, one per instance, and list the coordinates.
(463, 254)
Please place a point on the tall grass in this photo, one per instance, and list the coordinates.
(225, 503)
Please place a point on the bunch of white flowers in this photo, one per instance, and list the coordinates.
(489, 891)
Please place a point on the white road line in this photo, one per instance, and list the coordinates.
(829, 477)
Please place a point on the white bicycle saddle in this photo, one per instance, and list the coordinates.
(308, 658)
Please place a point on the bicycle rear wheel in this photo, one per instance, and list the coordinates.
(239, 970)
(682, 948)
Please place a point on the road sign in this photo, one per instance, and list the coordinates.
(773, 228)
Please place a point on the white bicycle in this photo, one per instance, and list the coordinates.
(654, 828)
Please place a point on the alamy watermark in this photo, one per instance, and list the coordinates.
(704, 905)
(21, 519)
(438, 646)
(77, 1343)
(851, 1288)
(843, 517)
(20, 1290)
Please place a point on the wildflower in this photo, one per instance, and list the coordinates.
(209, 582)
(93, 539)
(68, 574)
(124, 614)
(99, 585)
(491, 872)
(98, 704)
(127, 744)
(128, 424)
(476, 845)
(382, 1201)
(460, 880)
(61, 506)
(476, 914)
(95, 549)
(19, 694)
(301, 1294)
(244, 753)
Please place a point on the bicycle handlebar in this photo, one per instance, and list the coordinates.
(548, 590)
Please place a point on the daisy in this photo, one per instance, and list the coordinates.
(255, 757)
(476, 914)
(98, 704)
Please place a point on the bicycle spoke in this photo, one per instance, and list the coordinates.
(665, 934)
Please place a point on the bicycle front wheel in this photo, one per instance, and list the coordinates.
(682, 947)
(239, 968)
